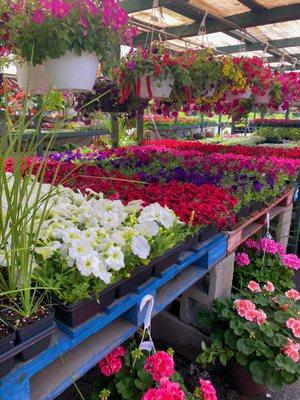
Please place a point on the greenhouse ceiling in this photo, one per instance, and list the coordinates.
(269, 28)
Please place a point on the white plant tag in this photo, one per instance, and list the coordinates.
(147, 346)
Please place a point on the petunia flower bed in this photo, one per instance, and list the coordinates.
(247, 178)
(87, 243)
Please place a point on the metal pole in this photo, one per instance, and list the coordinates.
(219, 127)
(140, 126)
(114, 130)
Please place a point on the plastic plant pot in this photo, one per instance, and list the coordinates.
(207, 232)
(243, 212)
(168, 259)
(139, 276)
(7, 343)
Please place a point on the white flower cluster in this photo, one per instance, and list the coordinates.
(92, 233)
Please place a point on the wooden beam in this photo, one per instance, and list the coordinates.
(252, 4)
(244, 20)
(280, 43)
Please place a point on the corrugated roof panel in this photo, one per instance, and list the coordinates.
(258, 53)
(221, 8)
(161, 17)
(276, 3)
(281, 30)
(292, 50)
(217, 39)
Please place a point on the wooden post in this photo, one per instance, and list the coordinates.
(140, 126)
(114, 130)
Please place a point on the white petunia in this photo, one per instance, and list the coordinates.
(114, 258)
(80, 248)
(134, 206)
(71, 234)
(88, 264)
(140, 247)
(147, 228)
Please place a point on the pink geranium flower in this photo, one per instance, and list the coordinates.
(269, 287)
(242, 259)
(268, 245)
(254, 287)
(293, 294)
(38, 16)
(292, 350)
(112, 363)
(294, 325)
(244, 306)
(252, 244)
(291, 261)
(209, 392)
(260, 317)
(160, 365)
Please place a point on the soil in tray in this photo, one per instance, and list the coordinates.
(7, 340)
(28, 327)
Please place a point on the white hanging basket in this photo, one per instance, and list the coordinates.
(72, 72)
(148, 87)
(242, 95)
(33, 78)
(264, 99)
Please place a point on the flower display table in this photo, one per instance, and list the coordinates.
(282, 206)
(73, 352)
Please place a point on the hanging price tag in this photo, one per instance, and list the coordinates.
(147, 346)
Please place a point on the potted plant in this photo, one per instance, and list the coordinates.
(133, 373)
(152, 73)
(263, 260)
(67, 39)
(105, 97)
(87, 266)
(256, 333)
(24, 205)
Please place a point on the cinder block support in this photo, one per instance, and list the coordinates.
(196, 298)
(183, 338)
(284, 225)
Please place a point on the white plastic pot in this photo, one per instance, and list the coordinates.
(72, 72)
(264, 99)
(245, 95)
(33, 78)
(148, 87)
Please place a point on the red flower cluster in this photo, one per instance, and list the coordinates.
(217, 148)
(199, 205)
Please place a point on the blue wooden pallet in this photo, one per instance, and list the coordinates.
(24, 382)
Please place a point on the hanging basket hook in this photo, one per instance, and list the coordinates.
(148, 299)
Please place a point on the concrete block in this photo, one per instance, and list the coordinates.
(198, 297)
(183, 338)
(284, 225)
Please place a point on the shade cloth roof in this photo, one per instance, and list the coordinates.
(231, 26)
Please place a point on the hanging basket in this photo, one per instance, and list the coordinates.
(148, 87)
(33, 78)
(262, 99)
(72, 72)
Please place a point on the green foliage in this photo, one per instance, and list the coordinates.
(263, 268)
(278, 134)
(258, 348)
